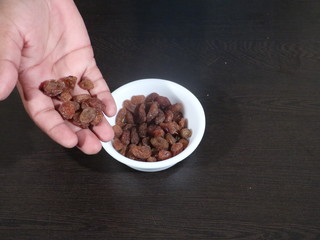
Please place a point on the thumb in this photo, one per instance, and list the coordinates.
(11, 44)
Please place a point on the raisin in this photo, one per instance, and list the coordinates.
(125, 137)
(86, 84)
(121, 117)
(158, 132)
(117, 144)
(129, 106)
(151, 159)
(164, 154)
(76, 105)
(81, 97)
(76, 121)
(134, 136)
(98, 119)
(141, 115)
(141, 152)
(183, 123)
(129, 153)
(124, 150)
(145, 141)
(184, 142)
(177, 107)
(160, 118)
(151, 129)
(176, 148)
(138, 99)
(87, 115)
(168, 116)
(69, 82)
(171, 127)
(177, 116)
(129, 117)
(171, 140)
(67, 110)
(153, 111)
(164, 102)
(185, 133)
(151, 97)
(142, 130)
(159, 143)
(117, 131)
(65, 96)
(96, 103)
(53, 88)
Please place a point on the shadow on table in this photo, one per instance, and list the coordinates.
(100, 162)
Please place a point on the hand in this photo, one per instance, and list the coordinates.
(47, 39)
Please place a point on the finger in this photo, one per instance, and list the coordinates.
(88, 142)
(41, 110)
(104, 131)
(10, 55)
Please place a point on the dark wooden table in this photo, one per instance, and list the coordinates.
(255, 67)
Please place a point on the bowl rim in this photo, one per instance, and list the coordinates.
(173, 160)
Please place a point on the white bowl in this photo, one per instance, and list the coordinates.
(192, 110)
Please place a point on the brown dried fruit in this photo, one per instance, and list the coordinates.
(159, 143)
(53, 88)
(185, 133)
(86, 84)
(141, 115)
(121, 117)
(168, 116)
(134, 136)
(67, 110)
(164, 154)
(138, 99)
(151, 159)
(151, 97)
(98, 119)
(176, 148)
(141, 152)
(81, 97)
(87, 115)
(76, 121)
(125, 137)
(117, 144)
(69, 82)
(96, 103)
(153, 111)
(65, 96)
(158, 132)
(184, 142)
(164, 102)
(142, 130)
(171, 139)
(129, 106)
(160, 118)
(171, 127)
(129, 117)
(117, 131)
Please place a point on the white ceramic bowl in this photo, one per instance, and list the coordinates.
(192, 110)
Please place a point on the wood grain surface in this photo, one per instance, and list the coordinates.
(255, 67)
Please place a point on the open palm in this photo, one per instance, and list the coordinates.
(47, 39)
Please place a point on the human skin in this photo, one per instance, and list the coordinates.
(47, 39)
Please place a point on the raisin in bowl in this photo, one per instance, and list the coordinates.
(191, 109)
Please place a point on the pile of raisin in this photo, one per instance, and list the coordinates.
(83, 110)
(150, 128)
